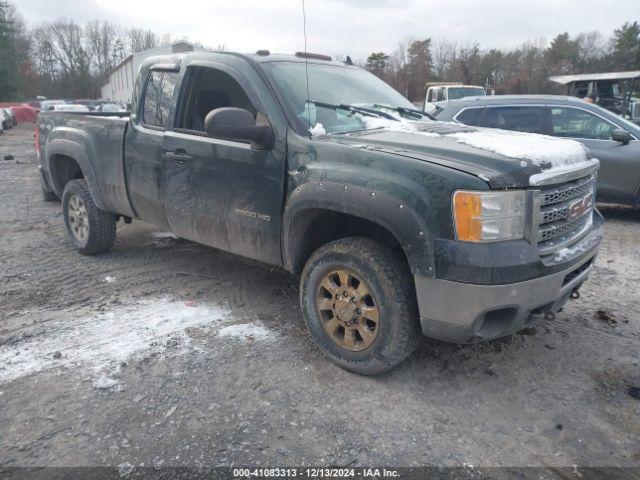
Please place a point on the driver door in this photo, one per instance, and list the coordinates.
(218, 192)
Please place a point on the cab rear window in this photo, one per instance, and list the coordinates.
(158, 97)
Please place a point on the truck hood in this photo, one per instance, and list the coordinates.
(503, 159)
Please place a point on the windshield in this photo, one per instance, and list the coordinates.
(330, 85)
(461, 92)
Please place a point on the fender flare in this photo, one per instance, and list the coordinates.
(390, 213)
(77, 152)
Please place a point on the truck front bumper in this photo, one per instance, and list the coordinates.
(461, 312)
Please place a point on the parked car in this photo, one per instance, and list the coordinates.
(397, 224)
(609, 137)
(70, 107)
(7, 118)
(90, 104)
(47, 105)
(14, 118)
(439, 94)
(109, 107)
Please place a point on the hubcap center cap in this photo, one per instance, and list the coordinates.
(344, 310)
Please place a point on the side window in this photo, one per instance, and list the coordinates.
(208, 89)
(440, 97)
(521, 119)
(470, 116)
(576, 123)
(430, 95)
(158, 97)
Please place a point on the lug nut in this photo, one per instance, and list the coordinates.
(353, 300)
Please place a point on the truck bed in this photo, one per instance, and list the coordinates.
(96, 137)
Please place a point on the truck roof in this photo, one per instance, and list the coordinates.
(497, 99)
(261, 56)
(451, 84)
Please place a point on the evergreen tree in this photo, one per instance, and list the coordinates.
(377, 63)
(9, 74)
(626, 47)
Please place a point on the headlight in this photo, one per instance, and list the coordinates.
(489, 216)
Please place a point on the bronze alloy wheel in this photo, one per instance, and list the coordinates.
(348, 312)
(78, 218)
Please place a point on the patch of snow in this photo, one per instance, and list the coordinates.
(402, 125)
(317, 130)
(246, 331)
(171, 411)
(125, 469)
(163, 235)
(103, 340)
(483, 177)
(103, 382)
(570, 252)
(562, 254)
(109, 279)
(542, 150)
(544, 177)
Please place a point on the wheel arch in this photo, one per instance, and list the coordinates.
(320, 212)
(68, 160)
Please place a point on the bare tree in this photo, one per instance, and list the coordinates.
(140, 40)
(101, 37)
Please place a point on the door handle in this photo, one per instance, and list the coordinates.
(180, 157)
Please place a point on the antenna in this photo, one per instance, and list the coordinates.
(306, 65)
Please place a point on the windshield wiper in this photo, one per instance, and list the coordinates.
(372, 112)
(410, 112)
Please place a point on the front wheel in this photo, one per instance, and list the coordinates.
(90, 229)
(358, 300)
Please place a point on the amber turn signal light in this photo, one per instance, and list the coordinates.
(467, 210)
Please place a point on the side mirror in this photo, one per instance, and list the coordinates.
(620, 135)
(229, 123)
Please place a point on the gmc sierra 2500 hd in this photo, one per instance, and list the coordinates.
(397, 224)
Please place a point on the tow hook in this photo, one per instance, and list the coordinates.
(575, 294)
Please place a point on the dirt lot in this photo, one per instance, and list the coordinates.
(164, 352)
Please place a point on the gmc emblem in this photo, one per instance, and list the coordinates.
(578, 208)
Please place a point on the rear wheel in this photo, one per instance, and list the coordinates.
(90, 229)
(358, 301)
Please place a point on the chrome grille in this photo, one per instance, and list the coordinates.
(567, 191)
(557, 229)
(555, 226)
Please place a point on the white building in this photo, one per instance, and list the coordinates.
(122, 76)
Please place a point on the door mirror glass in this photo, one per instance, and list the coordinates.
(620, 135)
(230, 123)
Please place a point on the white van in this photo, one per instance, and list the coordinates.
(444, 92)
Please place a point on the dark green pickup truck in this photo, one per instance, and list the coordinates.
(398, 225)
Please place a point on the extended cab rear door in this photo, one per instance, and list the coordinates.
(144, 145)
(224, 193)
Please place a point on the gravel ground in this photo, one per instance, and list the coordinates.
(163, 352)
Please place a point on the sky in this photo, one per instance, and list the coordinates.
(345, 27)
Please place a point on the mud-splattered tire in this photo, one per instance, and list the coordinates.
(358, 301)
(90, 229)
